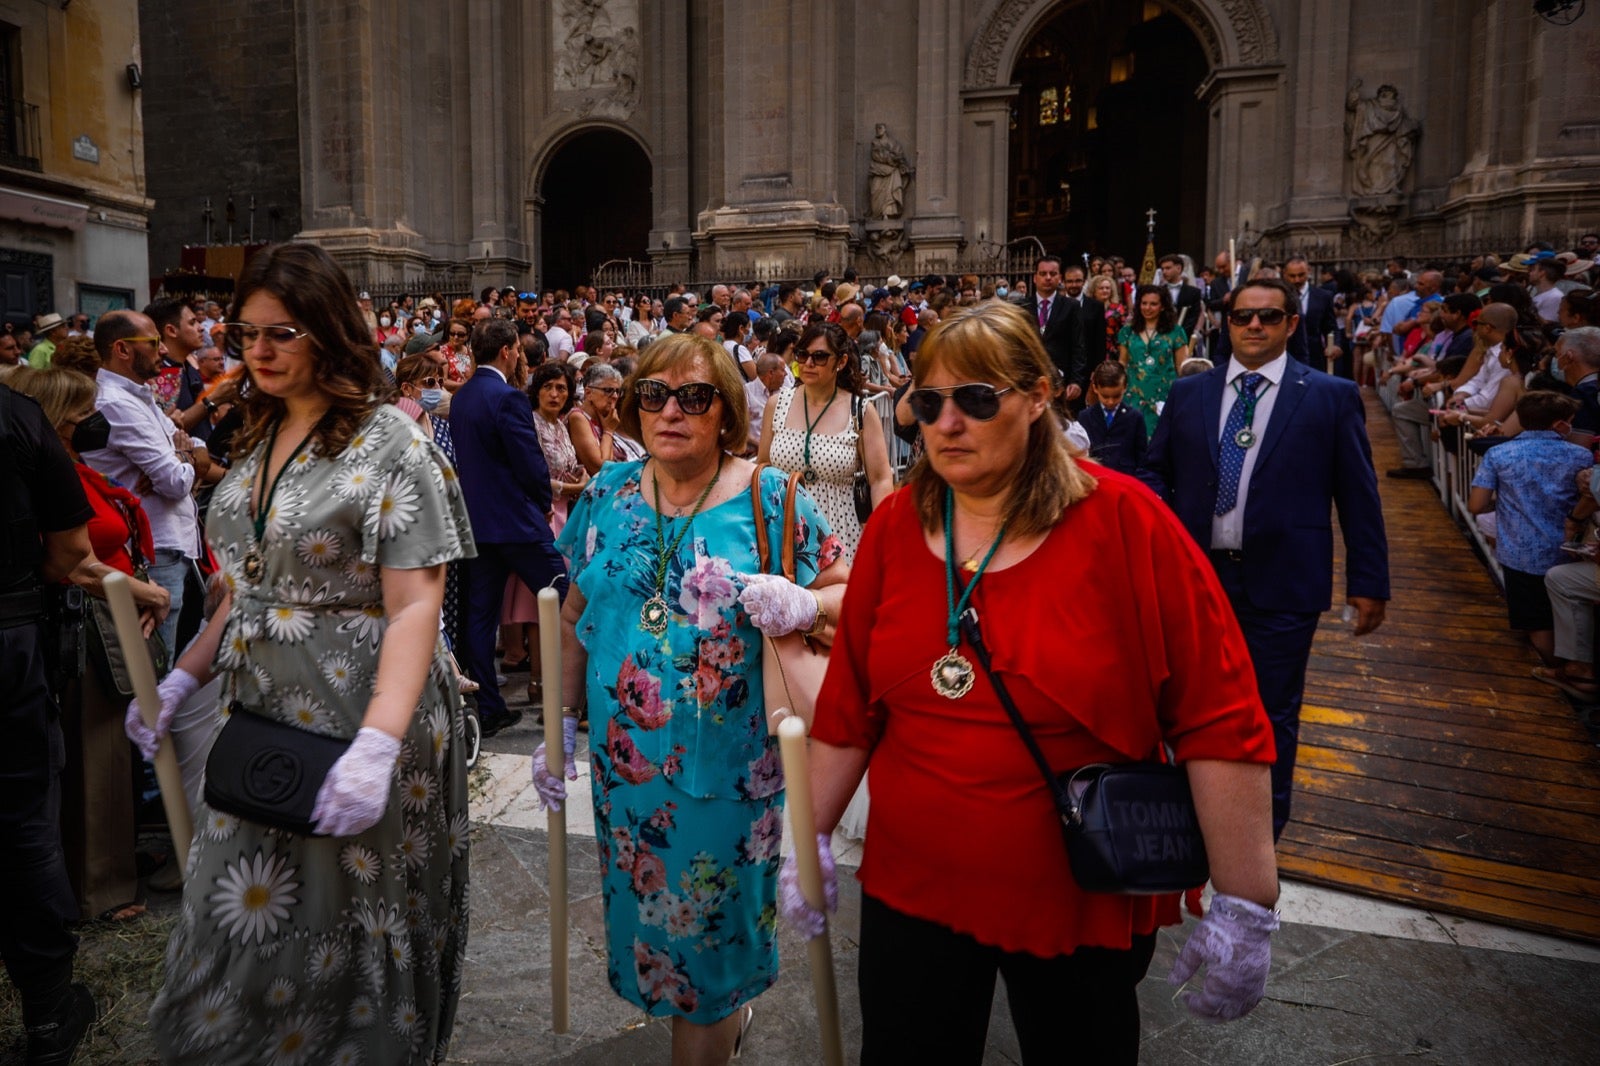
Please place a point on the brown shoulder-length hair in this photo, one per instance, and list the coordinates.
(319, 298)
(850, 377)
(997, 342)
(677, 351)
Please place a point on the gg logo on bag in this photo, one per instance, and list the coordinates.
(272, 775)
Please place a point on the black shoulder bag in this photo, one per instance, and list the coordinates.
(860, 487)
(1130, 828)
(268, 772)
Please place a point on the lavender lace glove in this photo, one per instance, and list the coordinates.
(801, 916)
(174, 690)
(1234, 944)
(776, 605)
(356, 790)
(552, 790)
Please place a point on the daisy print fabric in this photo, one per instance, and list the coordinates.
(688, 787)
(295, 950)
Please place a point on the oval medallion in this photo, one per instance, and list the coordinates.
(653, 616)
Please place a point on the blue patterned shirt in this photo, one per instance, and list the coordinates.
(1534, 478)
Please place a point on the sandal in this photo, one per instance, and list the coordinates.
(122, 912)
(1576, 687)
(744, 1029)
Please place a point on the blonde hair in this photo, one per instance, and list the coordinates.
(998, 343)
(1100, 281)
(679, 351)
(59, 392)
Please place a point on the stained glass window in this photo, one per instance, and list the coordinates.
(1049, 106)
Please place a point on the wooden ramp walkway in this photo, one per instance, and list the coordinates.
(1434, 770)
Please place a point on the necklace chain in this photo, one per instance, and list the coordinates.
(664, 552)
(954, 606)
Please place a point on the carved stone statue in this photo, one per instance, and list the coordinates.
(887, 175)
(597, 54)
(1381, 138)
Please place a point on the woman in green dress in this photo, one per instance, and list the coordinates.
(1152, 346)
(332, 531)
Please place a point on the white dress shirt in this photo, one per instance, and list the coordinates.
(1479, 393)
(756, 397)
(1227, 531)
(141, 444)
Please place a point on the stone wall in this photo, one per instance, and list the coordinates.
(221, 114)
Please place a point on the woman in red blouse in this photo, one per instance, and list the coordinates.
(97, 815)
(1113, 635)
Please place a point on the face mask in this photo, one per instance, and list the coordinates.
(92, 434)
(438, 316)
(430, 398)
(419, 327)
(384, 321)
(1001, 291)
(1558, 373)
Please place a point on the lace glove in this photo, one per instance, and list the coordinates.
(174, 690)
(356, 791)
(552, 790)
(776, 605)
(1234, 943)
(801, 916)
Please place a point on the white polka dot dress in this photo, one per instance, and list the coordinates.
(833, 458)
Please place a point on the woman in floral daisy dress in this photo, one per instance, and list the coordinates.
(346, 946)
(662, 629)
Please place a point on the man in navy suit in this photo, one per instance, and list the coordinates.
(1059, 327)
(1253, 456)
(1314, 337)
(506, 484)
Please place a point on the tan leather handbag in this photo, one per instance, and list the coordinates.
(792, 666)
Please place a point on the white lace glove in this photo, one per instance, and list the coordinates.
(356, 791)
(552, 790)
(802, 917)
(1234, 943)
(174, 690)
(776, 605)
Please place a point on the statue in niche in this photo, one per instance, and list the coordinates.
(887, 174)
(598, 54)
(1381, 139)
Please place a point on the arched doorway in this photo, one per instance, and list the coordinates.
(596, 206)
(1107, 125)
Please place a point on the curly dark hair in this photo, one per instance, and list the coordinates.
(544, 374)
(319, 298)
(1165, 320)
(839, 343)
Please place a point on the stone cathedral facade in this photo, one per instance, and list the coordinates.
(496, 141)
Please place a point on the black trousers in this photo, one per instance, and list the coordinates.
(927, 992)
(36, 900)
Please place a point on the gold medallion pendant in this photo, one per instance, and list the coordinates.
(253, 565)
(951, 675)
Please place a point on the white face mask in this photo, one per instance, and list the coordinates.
(384, 321)
(419, 327)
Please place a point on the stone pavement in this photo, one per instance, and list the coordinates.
(1352, 980)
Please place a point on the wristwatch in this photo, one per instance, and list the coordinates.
(821, 621)
(210, 405)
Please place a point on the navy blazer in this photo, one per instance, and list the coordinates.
(1120, 445)
(1314, 457)
(504, 477)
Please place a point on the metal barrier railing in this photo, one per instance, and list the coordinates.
(1453, 471)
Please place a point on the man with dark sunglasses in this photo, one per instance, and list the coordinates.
(1254, 456)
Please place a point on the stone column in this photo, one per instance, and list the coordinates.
(986, 162)
(1319, 80)
(493, 82)
(935, 230)
(671, 116)
(778, 210)
(352, 182)
(1248, 169)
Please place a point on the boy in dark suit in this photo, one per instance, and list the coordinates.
(1116, 431)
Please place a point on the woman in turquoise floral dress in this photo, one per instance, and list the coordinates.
(661, 639)
(1152, 346)
(332, 530)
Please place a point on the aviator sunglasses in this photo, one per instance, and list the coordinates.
(976, 400)
(693, 399)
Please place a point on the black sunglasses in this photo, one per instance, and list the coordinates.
(1270, 316)
(977, 400)
(693, 399)
(820, 357)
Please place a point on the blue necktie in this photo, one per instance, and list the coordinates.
(1230, 454)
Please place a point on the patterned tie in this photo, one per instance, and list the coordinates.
(1230, 453)
(1044, 313)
